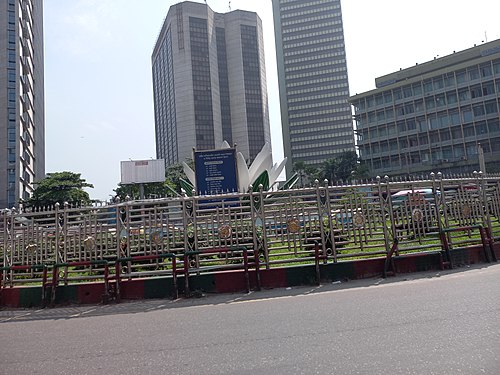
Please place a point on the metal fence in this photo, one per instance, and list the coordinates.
(382, 218)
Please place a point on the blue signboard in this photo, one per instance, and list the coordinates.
(215, 171)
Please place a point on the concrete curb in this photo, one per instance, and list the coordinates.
(234, 281)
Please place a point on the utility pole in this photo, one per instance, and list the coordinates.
(482, 164)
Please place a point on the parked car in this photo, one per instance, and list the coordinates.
(400, 197)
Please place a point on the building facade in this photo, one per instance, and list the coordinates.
(316, 115)
(433, 117)
(209, 82)
(22, 124)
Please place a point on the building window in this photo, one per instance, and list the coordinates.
(398, 95)
(407, 91)
(466, 114)
(475, 91)
(449, 80)
(481, 128)
(488, 88)
(461, 77)
(422, 124)
(478, 110)
(486, 71)
(440, 102)
(438, 83)
(410, 124)
(496, 67)
(451, 97)
(428, 87)
(444, 135)
(429, 103)
(494, 125)
(419, 105)
(369, 102)
(490, 107)
(469, 131)
(473, 73)
(463, 94)
(454, 118)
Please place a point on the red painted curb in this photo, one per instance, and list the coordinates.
(405, 264)
(232, 281)
(90, 293)
(132, 289)
(10, 297)
(235, 281)
(496, 249)
(476, 255)
(273, 278)
(367, 268)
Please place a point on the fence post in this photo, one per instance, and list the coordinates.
(245, 265)
(316, 262)
(118, 220)
(485, 242)
(382, 201)
(12, 242)
(174, 276)
(106, 284)
(257, 214)
(320, 204)
(186, 275)
(5, 244)
(55, 283)
(64, 240)
(44, 286)
(327, 211)
(118, 279)
(486, 216)
(262, 210)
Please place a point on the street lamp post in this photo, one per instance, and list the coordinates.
(482, 164)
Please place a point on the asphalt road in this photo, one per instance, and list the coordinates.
(429, 323)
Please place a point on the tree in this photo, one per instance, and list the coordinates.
(60, 187)
(343, 167)
(362, 170)
(174, 174)
(151, 190)
(306, 173)
(328, 170)
(347, 163)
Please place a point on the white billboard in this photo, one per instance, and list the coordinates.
(142, 171)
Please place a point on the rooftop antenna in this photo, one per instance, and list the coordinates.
(229, 6)
(485, 36)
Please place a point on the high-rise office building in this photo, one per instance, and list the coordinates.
(439, 116)
(22, 119)
(312, 72)
(209, 82)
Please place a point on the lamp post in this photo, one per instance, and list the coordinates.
(482, 164)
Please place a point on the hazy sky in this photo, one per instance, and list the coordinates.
(98, 86)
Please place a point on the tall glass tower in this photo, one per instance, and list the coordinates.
(209, 82)
(22, 127)
(312, 72)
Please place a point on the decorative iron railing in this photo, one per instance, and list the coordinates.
(381, 218)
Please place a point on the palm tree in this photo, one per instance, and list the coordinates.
(343, 167)
(306, 173)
